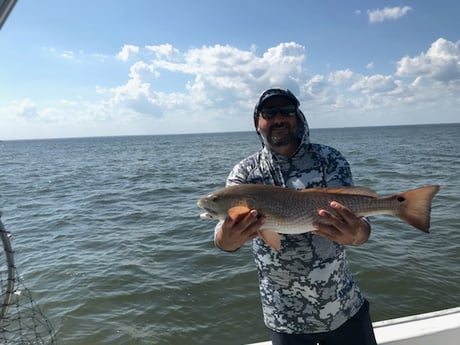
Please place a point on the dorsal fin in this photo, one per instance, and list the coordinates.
(353, 190)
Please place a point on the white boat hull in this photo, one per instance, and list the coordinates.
(439, 327)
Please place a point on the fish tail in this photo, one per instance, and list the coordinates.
(415, 206)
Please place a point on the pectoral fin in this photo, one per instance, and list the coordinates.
(237, 211)
(272, 238)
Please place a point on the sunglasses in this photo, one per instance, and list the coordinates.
(270, 113)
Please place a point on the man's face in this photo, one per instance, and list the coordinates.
(279, 126)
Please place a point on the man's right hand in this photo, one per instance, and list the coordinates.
(233, 234)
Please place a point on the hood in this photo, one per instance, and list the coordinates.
(304, 131)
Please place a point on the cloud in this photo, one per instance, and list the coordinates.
(374, 84)
(441, 62)
(164, 51)
(27, 108)
(215, 76)
(393, 13)
(69, 55)
(214, 88)
(77, 57)
(341, 77)
(128, 51)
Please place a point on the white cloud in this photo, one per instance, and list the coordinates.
(217, 86)
(441, 62)
(218, 74)
(341, 77)
(128, 51)
(377, 16)
(68, 54)
(27, 108)
(374, 84)
(164, 51)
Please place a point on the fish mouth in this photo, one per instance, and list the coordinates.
(209, 214)
(206, 215)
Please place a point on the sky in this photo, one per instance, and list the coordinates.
(82, 68)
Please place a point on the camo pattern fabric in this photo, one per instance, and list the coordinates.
(307, 286)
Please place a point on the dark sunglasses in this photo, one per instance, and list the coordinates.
(270, 113)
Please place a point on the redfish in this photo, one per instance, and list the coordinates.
(290, 211)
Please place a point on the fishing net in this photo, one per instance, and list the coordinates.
(21, 320)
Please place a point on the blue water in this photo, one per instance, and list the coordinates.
(108, 240)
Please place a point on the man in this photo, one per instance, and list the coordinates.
(307, 290)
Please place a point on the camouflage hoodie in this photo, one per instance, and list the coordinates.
(307, 286)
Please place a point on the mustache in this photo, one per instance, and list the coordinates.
(283, 125)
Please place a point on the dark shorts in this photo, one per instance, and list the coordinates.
(356, 331)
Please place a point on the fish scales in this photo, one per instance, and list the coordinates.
(293, 212)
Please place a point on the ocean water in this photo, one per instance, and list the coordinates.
(108, 240)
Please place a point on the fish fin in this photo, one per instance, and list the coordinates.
(237, 211)
(415, 206)
(272, 238)
(353, 190)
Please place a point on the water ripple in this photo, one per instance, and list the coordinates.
(108, 239)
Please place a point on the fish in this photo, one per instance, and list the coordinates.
(290, 211)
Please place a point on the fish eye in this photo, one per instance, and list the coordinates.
(212, 197)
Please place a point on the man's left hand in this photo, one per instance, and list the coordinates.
(344, 228)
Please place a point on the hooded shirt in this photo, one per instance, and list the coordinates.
(307, 286)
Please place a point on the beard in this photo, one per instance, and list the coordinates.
(280, 134)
